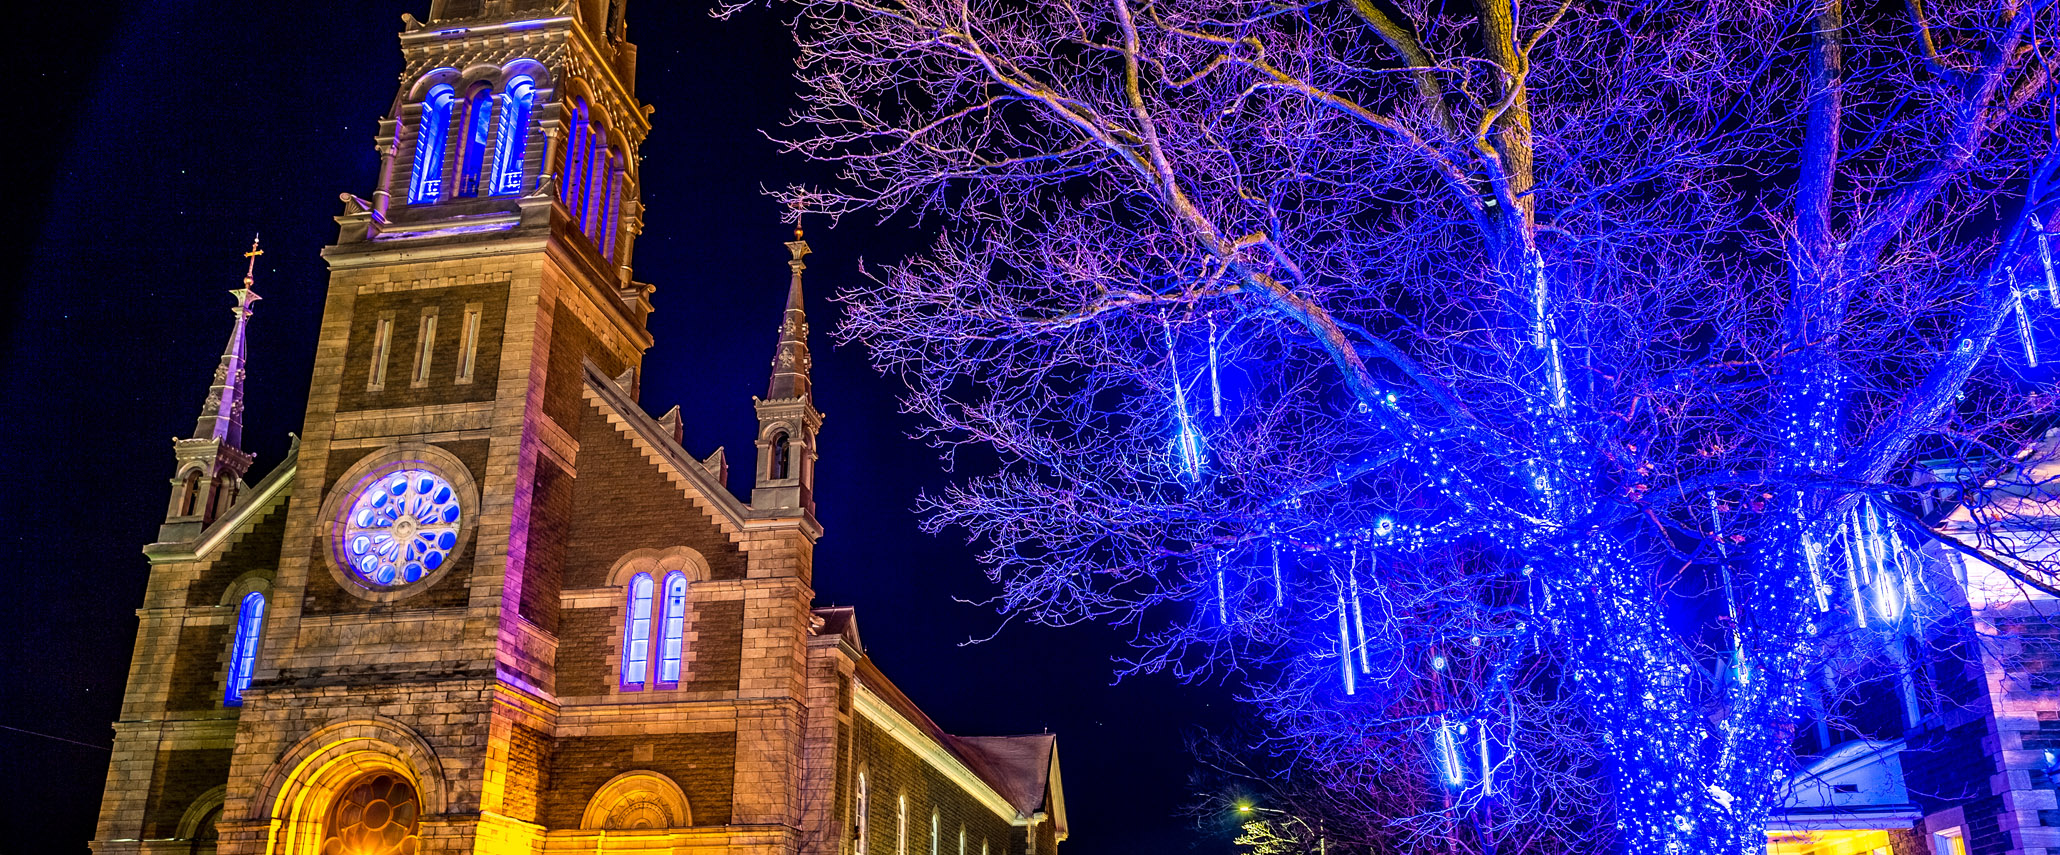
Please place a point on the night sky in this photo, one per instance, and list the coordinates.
(158, 136)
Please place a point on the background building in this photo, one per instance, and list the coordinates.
(488, 603)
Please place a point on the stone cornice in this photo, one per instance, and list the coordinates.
(881, 714)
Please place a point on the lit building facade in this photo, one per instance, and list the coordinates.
(488, 603)
(1940, 729)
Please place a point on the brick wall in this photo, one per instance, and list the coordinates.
(543, 568)
(405, 308)
(583, 641)
(529, 757)
(716, 657)
(257, 548)
(201, 648)
(571, 344)
(622, 501)
(703, 764)
(893, 772)
(178, 778)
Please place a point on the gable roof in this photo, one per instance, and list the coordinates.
(231, 525)
(1021, 770)
(657, 443)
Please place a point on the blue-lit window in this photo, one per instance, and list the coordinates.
(636, 633)
(401, 528)
(573, 190)
(674, 618)
(515, 106)
(604, 231)
(430, 139)
(594, 184)
(479, 117)
(250, 626)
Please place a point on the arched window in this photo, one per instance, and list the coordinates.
(782, 457)
(515, 107)
(901, 825)
(861, 808)
(636, 634)
(250, 625)
(611, 190)
(189, 497)
(430, 139)
(936, 831)
(479, 117)
(573, 190)
(674, 618)
(595, 190)
(376, 813)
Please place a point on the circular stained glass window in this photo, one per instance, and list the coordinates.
(401, 528)
(375, 815)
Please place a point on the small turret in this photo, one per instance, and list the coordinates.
(787, 419)
(210, 464)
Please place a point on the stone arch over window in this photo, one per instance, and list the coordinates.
(639, 800)
(780, 462)
(189, 493)
(300, 794)
(197, 825)
(336, 507)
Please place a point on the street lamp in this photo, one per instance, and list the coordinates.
(1321, 844)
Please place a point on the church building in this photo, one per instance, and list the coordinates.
(489, 604)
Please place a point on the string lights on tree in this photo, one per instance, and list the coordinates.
(1619, 363)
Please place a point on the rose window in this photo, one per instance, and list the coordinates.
(401, 528)
(375, 815)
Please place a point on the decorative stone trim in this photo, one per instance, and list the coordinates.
(342, 493)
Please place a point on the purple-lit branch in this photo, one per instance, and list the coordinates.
(1514, 305)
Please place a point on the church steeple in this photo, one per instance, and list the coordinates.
(211, 462)
(787, 418)
(790, 358)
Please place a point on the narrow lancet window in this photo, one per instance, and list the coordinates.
(782, 458)
(479, 115)
(382, 344)
(860, 820)
(250, 625)
(636, 633)
(425, 346)
(611, 207)
(430, 139)
(573, 190)
(515, 107)
(468, 343)
(674, 617)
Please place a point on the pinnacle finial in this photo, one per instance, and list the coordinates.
(221, 415)
(790, 358)
(250, 273)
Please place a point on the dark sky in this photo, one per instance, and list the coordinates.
(156, 137)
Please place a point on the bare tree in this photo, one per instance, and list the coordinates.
(1498, 358)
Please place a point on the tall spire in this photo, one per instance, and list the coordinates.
(790, 359)
(787, 418)
(221, 415)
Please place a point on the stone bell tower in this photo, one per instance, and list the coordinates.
(407, 561)
(211, 462)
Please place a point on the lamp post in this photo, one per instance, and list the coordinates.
(1321, 844)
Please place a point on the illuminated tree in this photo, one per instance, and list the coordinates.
(1436, 367)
